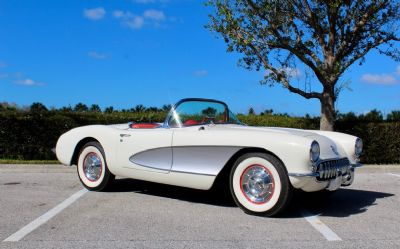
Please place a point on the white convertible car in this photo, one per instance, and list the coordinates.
(201, 138)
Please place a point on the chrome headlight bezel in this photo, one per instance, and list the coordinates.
(358, 147)
(314, 152)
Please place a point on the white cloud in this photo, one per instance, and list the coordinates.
(28, 82)
(155, 15)
(379, 79)
(97, 55)
(144, 1)
(135, 23)
(128, 19)
(288, 71)
(118, 14)
(150, 1)
(200, 73)
(291, 72)
(95, 13)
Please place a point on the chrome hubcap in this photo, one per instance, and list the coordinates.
(92, 166)
(257, 184)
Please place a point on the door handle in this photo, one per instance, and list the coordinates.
(124, 135)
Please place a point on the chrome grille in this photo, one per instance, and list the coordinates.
(330, 169)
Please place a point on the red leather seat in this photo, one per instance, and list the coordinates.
(190, 122)
(144, 125)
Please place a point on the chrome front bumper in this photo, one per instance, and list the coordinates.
(338, 172)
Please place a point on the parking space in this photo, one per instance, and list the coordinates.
(142, 214)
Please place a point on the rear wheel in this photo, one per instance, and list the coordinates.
(92, 167)
(260, 184)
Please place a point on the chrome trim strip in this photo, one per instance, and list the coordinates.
(176, 171)
(327, 160)
(191, 173)
(312, 174)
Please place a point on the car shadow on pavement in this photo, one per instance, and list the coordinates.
(214, 196)
(341, 203)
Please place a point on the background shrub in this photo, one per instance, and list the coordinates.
(31, 133)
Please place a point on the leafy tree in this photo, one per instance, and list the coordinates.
(372, 116)
(80, 107)
(66, 109)
(349, 117)
(152, 109)
(209, 112)
(109, 109)
(267, 112)
(325, 36)
(8, 106)
(139, 108)
(393, 116)
(251, 111)
(38, 108)
(95, 108)
(166, 108)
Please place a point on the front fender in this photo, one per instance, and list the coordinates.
(67, 143)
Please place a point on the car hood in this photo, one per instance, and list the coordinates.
(328, 147)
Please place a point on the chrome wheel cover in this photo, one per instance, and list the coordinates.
(92, 166)
(257, 184)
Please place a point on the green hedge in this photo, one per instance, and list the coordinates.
(31, 135)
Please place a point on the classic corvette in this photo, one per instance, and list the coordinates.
(201, 138)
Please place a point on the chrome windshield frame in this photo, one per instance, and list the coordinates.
(172, 112)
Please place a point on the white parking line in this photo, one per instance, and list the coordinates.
(320, 227)
(394, 174)
(45, 217)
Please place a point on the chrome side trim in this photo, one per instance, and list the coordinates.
(176, 171)
(204, 160)
(312, 174)
(197, 160)
(158, 158)
(191, 173)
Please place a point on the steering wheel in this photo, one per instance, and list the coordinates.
(208, 120)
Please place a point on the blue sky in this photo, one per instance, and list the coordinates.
(150, 52)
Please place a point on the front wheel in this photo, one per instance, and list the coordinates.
(260, 184)
(92, 167)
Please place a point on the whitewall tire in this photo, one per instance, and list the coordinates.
(260, 184)
(92, 167)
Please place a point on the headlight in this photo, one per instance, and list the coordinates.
(314, 152)
(358, 147)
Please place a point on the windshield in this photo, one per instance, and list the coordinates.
(197, 112)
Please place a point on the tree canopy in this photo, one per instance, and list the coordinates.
(326, 36)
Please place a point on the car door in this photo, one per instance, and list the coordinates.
(146, 149)
(201, 150)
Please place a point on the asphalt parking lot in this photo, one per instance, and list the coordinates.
(147, 215)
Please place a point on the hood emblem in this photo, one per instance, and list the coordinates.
(334, 150)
